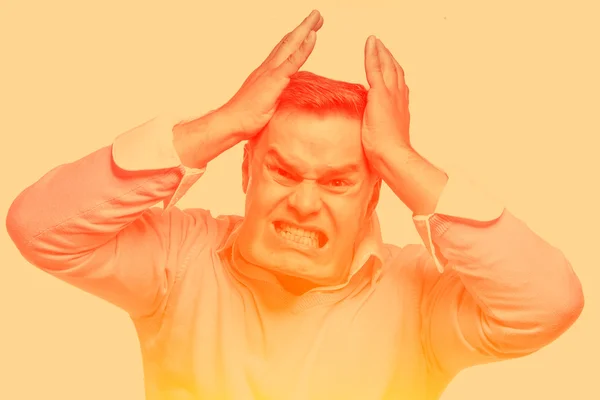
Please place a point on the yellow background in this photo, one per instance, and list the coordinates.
(509, 91)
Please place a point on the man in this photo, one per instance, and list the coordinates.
(299, 299)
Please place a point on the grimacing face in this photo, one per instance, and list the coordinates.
(309, 195)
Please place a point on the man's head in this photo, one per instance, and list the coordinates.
(309, 189)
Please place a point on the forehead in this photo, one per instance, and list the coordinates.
(312, 141)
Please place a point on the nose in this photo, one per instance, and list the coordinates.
(305, 199)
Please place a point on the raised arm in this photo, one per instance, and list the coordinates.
(492, 289)
(92, 222)
(504, 291)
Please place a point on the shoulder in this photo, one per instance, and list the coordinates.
(192, 224)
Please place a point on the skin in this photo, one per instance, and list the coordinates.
(386, 137)
(199, 141)
(379, 143)
(292, 188)
(294, 173)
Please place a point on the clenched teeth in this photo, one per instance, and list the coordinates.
(299, 235)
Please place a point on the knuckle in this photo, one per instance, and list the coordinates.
(252, 76)
(268, 80)
(303, 46)
(286, 39)
(293, 58)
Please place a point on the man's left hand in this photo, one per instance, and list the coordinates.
(386, 121)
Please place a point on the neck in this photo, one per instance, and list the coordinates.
(294, 285)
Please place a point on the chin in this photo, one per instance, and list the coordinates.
(310, 261)
(321, 271)
(281, 260)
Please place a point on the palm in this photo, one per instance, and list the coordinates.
(259, 100)
(386, 119)
(255, 102)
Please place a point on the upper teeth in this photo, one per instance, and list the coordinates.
(298, 231)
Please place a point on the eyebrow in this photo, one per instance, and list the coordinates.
(331, 171)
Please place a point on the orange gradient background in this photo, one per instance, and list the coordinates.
(510, 92)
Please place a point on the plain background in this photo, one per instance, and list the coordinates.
(509, 92)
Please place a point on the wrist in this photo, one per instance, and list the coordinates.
(396, 153)
(416, 182)
(199, 141)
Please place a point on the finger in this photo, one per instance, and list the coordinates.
(286, 38)
(402, 86)
(372, 63)
(388, 68)
(292, 64)
(399, 73)
(319, 24)
(293, 40)
(276, 48)
(316, 28)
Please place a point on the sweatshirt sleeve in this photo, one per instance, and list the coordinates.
(493, 289)
(93, 222)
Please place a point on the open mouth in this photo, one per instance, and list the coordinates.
(310, 238)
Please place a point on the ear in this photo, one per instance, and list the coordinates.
(374, 198)
(246, 168)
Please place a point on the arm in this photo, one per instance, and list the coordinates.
(91, 222)
(500, 291)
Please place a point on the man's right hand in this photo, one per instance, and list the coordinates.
(252, 107)
(199, 141)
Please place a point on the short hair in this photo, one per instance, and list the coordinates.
(317, 94)
(311, 92)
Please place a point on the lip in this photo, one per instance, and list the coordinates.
(300, 246)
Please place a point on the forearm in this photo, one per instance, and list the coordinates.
(201, 140)
(91, 223)
(521, 280)
(506, 292)
(416, 182)
(492, 288)
(79, 206)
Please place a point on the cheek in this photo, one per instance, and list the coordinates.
(349, 223)
(263, 195)
(349, 212)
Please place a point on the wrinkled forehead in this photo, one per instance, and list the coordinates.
(313, 140)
